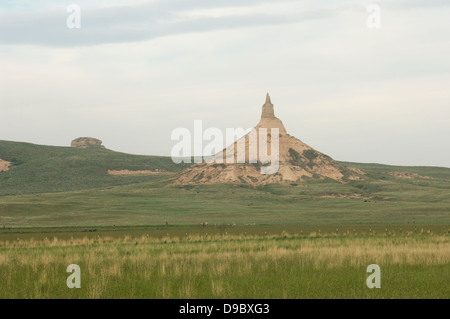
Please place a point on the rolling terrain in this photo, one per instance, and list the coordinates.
(49, 186)
(149, 237)
(43, 169)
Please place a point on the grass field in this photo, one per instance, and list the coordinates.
(141, 236)
(154, 203)
(239, 262)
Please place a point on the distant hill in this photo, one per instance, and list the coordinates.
(38, 168)
(382, 171)
(29, 168)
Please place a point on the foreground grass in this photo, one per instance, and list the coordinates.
(223, 265)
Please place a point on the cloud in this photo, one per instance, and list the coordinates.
(355, 93)
(139, 22)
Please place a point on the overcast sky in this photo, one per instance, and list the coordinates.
(136, 70)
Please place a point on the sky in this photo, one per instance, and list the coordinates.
(136, 70)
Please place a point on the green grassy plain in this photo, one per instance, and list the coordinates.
(315, 202)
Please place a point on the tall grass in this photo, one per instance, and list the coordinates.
(227, 266)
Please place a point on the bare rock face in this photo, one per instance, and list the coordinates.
(268, 118)
(4, 165)
(86, 142)
(297, 161)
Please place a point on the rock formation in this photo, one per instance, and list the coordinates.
(86, 142)
(408, 175)
(268, 118)
(297, 160)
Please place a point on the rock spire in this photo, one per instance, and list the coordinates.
(297, 160)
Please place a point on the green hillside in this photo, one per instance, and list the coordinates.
(381, 171)
(61, 186)
(42, 169)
